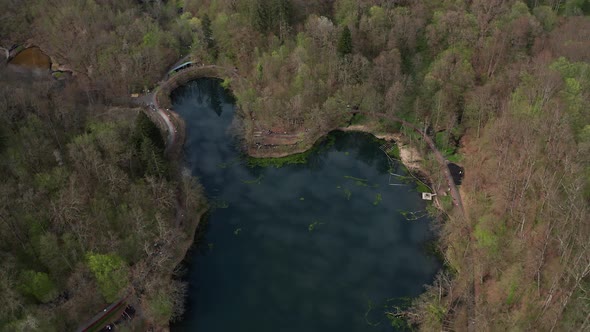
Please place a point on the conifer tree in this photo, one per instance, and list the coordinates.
(345, 42)
(260, 16)
(207, 33)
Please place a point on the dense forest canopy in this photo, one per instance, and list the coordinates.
(501, 85)
(88, 200)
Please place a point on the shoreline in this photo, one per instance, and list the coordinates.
(410, 156)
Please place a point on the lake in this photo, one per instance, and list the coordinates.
(318, 246)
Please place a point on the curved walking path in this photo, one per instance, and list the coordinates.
(93, 322)
(171, 128)
(151, 102)
(171, 81)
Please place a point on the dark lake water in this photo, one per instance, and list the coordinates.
(321, 246)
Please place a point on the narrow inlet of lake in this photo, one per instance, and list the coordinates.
(321, 246)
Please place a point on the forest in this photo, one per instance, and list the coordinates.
(499, 85)
(88, 210)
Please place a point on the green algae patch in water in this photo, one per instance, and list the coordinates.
(299, 158)
(258, 180)
(314, 225)
(394, 152)
(377, 200)
(422, 188)
(348, 194)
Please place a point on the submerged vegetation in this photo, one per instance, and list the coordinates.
(314, 225)
(377, 199)
(254, 181)
(347, 193)
(299, 158)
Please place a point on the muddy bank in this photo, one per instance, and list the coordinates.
(409, 155)
(278, 147)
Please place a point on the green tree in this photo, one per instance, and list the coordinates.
(149, 147)
(111, 274)
(52, 256)
(208, 35)
(144, 127)
(345, 42)
(3, 139)
(206, 24)
(546, 16)
(160, 307)
(152, 158)
(577, 7)
(282, 15)
(39, 285)
(261, 15)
